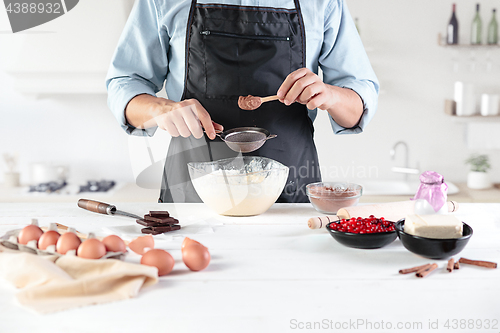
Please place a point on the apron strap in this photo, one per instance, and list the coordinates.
(302, 32)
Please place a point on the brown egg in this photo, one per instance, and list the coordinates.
(188, 241)
(47, 239)
(114, 243)
(160, 259)
(141, 242)
(91, 249)
(68, 241)
(29, 233)
(195, 256)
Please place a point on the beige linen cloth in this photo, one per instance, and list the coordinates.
(50, 284)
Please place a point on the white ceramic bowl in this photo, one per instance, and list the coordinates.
(241, 186)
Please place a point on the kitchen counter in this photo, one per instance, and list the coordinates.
(130, 192)
(270, 273)
(465, 195)
(122, 192)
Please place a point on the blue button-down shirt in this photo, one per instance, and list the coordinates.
(151, 53)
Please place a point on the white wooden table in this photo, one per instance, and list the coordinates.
(270, 273)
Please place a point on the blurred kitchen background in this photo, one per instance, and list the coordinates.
(55, 121)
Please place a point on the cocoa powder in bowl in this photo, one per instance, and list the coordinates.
(329, 197)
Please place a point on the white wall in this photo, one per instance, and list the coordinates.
(416, 76)
(75, 130)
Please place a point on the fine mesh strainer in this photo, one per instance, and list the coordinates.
(245, 139)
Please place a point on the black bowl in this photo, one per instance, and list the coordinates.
(433, 248)
(362, 241)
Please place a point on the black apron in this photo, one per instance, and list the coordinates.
(234, 51)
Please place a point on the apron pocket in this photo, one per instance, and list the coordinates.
(260, 62)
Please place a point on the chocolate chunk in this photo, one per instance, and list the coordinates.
(164, 220)
(149, 231)
(160, 230)
(146, 223)
(154, 224)
(166, 228)
(159, 213)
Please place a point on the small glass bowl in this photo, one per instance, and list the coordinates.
(328, 197)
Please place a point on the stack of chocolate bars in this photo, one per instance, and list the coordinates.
(158, 222)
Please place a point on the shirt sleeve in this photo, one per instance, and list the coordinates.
(140, 63)
(344, 63)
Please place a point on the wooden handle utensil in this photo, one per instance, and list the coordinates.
(103, 208)
(269, 98)
(392, 211)
(96, 206)
(250, 102)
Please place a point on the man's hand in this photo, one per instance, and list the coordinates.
(305, 87)
(187, 118)
(184, 118)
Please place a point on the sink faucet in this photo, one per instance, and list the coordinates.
(406, 169)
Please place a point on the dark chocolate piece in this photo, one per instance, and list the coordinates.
(153, 224)
(160, 230)
(166, 228)
(164, 220)
(149, 231)
(159, 213)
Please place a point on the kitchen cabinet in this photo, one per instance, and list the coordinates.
(70, 54)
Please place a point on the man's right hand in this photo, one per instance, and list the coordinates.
(187, 118)
(184, 118)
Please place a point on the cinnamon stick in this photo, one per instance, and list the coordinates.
(413, 269)
(451, 264)
(456, 265)
(481, 263)
(424, 272)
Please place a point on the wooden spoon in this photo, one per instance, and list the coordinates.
(253, 102)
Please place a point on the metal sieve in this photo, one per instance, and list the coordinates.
(245, 139)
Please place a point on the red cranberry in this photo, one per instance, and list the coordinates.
(359, 225)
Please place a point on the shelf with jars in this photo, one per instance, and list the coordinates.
(465, 112)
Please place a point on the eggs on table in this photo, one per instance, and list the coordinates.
(195, 255)
(29, 233)
(91, 248)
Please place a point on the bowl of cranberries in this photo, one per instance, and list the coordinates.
(363, 233)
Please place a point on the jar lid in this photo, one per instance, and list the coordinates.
(431, 177)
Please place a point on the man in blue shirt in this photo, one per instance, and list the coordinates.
(208, 54)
